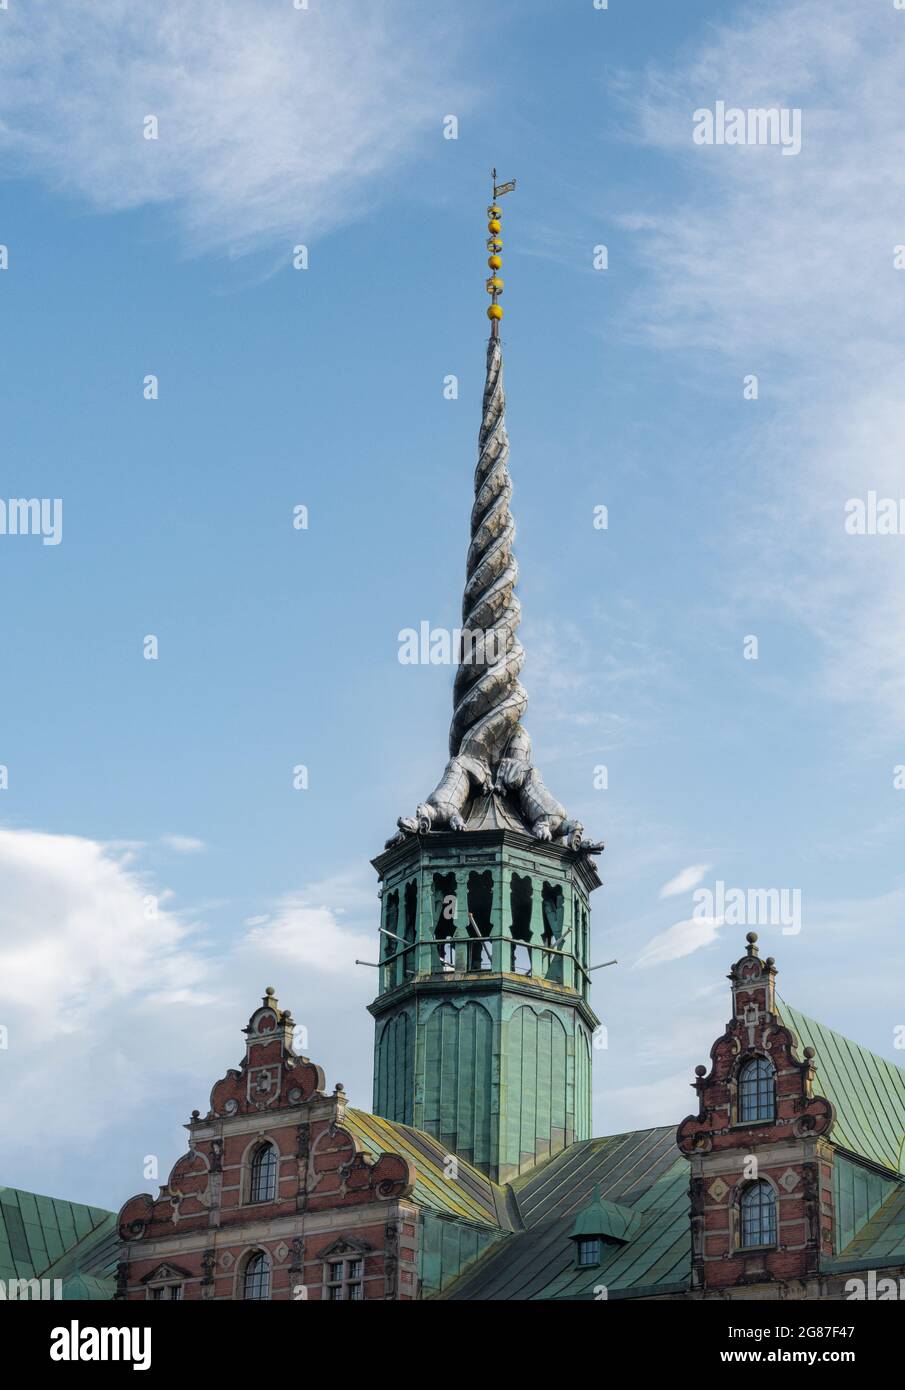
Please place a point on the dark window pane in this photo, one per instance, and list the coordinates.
(264, 1174)
(758, 1215)
(756, 1099)
(257, 1277)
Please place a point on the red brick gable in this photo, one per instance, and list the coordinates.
(328, 1192)
(787, 1150)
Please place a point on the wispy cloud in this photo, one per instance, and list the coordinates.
(183, 844)
(274, 123)
(685, 880)
(305, 933)
(680, 940)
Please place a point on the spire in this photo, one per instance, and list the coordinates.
(488, 699)
(490, 778)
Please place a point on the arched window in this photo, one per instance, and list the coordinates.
(756, 1097)
(256, 1278)
(263, 1184)
(757, 1210)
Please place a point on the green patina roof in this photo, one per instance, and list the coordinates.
(641, 1171)
(881, 1241)
(470, 1196)
(47, 1238)
(866, 1091)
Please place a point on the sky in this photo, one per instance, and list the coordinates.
(159, 866)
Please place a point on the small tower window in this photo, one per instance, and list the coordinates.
(445, 888)
(256, 1279)
(553, 911)
(758, 1215)
(411, 928)
(589, 1251)
(756, 1091)
(263, 1183)
(520, 895)
(480, 917)
(390, 939)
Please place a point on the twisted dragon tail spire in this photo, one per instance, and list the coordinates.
(488, 698)
(490, 752)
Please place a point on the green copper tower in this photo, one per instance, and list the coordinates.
(483, 1026)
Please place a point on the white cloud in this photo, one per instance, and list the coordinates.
(274, 123)
(110, 1012)
(679, 940)
(75, 933)
(302, 933)
(685, 880)
(183, 844)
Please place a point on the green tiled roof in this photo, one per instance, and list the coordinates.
(470, 1196)
(46, 1238)
(641, 1171)
(867, 1092)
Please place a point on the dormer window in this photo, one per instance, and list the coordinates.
(262, 1186)
(588, 1251)
(756, 1091)
(757, 1216)
(600, 1227)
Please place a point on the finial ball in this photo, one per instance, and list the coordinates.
(494, 225)
(752, 937)
(495, 311)
(495, 262)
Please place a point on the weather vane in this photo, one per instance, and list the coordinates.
(495, 260)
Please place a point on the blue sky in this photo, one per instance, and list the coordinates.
(277, 387)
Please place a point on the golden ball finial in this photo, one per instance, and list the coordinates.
(494, 225)
(495, 312)
(495, 262)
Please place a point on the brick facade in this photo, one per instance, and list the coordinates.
(334, 1212)
(788, 1149)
